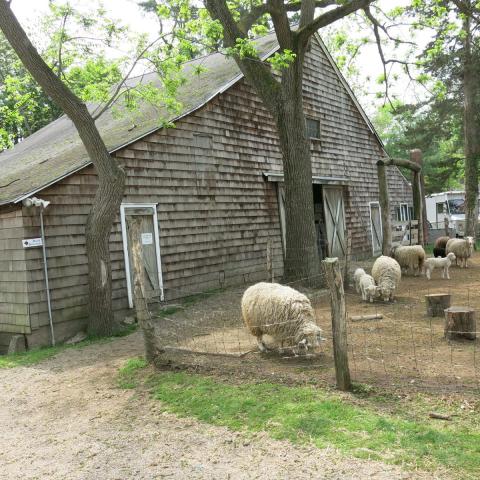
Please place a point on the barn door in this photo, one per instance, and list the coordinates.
(147, 215)
(334, 220)
(376, 228)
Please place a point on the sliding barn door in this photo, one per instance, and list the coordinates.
(334, 220)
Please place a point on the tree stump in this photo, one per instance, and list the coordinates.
(460, 323)
(437, 303)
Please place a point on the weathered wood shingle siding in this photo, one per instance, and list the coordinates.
(14, 303)
(215, 211)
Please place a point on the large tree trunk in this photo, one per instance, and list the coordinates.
(111, 177)
(301, 259)
(472, 145)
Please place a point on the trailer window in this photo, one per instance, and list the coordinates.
(441, 207)
(456, 206)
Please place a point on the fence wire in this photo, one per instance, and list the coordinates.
(397, 346)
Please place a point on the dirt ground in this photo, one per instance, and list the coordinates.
(66, 419)
(403, 349)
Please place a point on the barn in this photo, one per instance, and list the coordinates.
(209, 192)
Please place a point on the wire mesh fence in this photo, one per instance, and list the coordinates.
(395, 344)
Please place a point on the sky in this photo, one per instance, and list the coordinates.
(29, 12)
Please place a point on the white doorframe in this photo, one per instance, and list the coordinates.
(153, 206)
(371, 224)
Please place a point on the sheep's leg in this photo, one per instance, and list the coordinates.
(447, 272)
(443, 272)
(428, 273)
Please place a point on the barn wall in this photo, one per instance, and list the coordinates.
(14, 304)
(215, 211)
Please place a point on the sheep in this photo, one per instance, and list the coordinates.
(410, 257)
(282, 313)
(462, 248)
(367, 288)
(359, 272)
(439, 246)
(443, 263)
(386, 273)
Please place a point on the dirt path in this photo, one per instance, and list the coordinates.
(66, 419)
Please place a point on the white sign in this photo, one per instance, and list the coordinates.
(32, 242)
(147, 238)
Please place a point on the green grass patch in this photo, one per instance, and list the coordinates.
(37, 355)
(307, 414)
(127, 375)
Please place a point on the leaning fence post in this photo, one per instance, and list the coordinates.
(339, 322)
(141, 308)
(270, 273)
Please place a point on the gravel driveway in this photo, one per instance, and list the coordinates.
(66, 419)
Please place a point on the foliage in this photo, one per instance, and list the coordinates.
(128, 373)
(307, 414)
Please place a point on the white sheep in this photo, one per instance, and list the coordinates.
(410, 258)
(359, 272)
(386, 273)
(443, 263)
(462, 248)
(367, 288)
(282, 313)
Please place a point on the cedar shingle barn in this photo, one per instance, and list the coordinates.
(209, 190)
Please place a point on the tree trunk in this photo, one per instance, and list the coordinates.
(472, 145)
(437, 303)
(301, 259)
(460, 323)
(384, 208)
(111, 177)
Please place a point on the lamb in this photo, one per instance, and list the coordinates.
(439, 246)
(367, 288)
(359, 272)
(444, 263)
(386, 273)
(462, 248)
(411, 257)
(282, 313)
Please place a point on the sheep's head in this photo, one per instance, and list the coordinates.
(372, 291)
(451, 256)
(309, 337)
(471, 243)
(384, 292)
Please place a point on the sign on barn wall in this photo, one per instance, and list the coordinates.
(32, 242)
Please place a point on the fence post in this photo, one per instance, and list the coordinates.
(348, 257)
(270, 273)
(339, 322)
(384, 208)
(141, 308)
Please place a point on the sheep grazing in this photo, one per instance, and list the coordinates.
(443, 263)
(367, 288)
(410, 258)
(462, 248)
(359, 272)
(439, 246)
(386, 273)
(282, 313)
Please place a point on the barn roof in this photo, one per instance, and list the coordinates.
(56, 151)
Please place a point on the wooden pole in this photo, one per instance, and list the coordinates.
(339, 322)
(141, 308)
(416, 158)
(384, 208)
(270, 273)
(348, 257)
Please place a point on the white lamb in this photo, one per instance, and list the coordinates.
(443, 263)
(282, 313)
(462, 248)
(410, 258)
(367, 288)
(359, 272)
(386, 273)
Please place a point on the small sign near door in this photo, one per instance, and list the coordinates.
(32, 242)
(147, 238)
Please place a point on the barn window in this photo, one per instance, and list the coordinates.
(313, 128)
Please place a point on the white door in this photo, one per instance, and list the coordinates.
(149, 238)
(334, 220)
(376, 228)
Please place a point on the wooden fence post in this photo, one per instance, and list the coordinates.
(384, 208)
(339, 323)
(270, 273)
(141, 308)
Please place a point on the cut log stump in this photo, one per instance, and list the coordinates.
(460, 323)
(437, 303)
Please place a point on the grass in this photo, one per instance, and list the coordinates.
(37, 355)
(307, 414)
(127, 375)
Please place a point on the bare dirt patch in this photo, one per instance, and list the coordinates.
(66, 419)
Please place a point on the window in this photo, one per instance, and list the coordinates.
(440, 207)
(313, 128)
